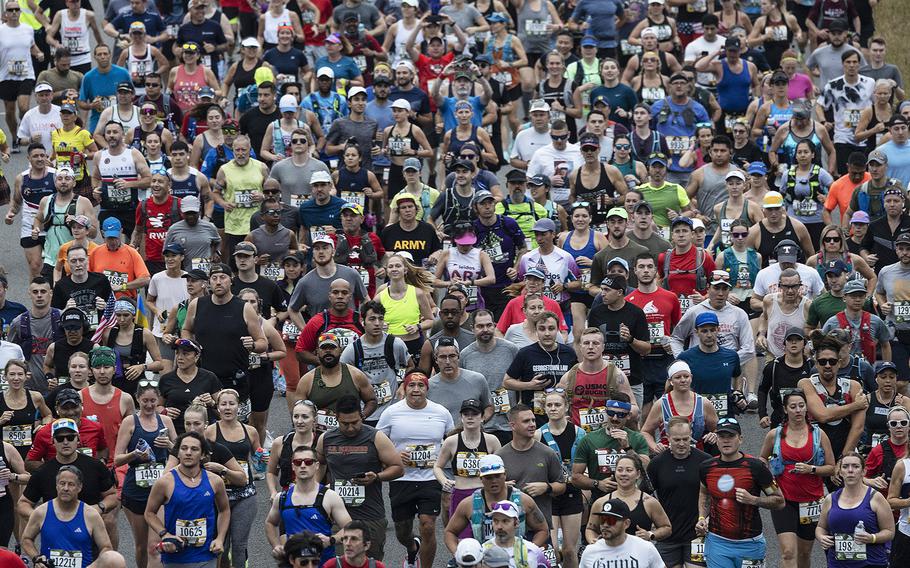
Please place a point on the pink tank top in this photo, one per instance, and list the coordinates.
(186, 87)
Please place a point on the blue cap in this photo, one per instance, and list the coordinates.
(681, 219)
(758, 168)
(175, 248)
(497, 17)
(836, 267)
(589, 41)
(706, 318)
(620, 261)
(536, 273)
(483, 58)
(111, 228)
(881, 366)
(658, 158)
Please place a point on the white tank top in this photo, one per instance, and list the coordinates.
(779, 322)
(113, 167)
(74, 36)
(401, 40)
(131, 121)
(140, 68)
(467, 267)
(903, 524)
(270, 34)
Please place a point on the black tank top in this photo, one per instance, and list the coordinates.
(876, 417)
(455, 144)
(62, 353)
(460, 466)
(638, 516)
(218, 328)
(241, 450)
(33, 189)
(244, 78)
(22, 418)
(398, 144)
(770, 240)
(185, 188)
(591, 194)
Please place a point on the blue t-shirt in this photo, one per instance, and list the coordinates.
(420, 102)
(603, 14)
(677, 126)
(344, 68)
(383, 117)
(315, 215)
(327, 109)
(712, 372)
(287, 63)
(8, 313)
(448, 112)
(104, 85)
(898, 161)
(621, 97)
(154, 25)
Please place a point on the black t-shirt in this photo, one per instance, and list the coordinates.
(608, 321)
(747, 154)
(535, 360)
(178, 394)
(207, 32)
(290, 218)
(220, 454)
(96, 480)
(777, 376)
(270, 295)
(254, 122)
(879, 240)
(421, 242)
(95, 286)
(676, 485)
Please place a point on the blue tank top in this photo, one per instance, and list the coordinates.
(186, 187)
(352, 181)
(313, 517)
(843, 521)
(140, 491)
(34, 189)
(194, 509)
(733, 89)
(455, 144)
(66, 539)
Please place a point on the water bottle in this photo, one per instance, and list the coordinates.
(859, 530)
(3, 482)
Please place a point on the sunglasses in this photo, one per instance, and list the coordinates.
(610, 520)
(12, 10)
(308, 561)
(559, 390)
(272, 212)
(65, 438)
(580, 204)
(307, 402)
(147, 85)
(826, 362)
(898, 423)
(299, 141)
(617, 414)
(468, 156)
(559, 137)
(148, 383)
(149, 111)
(623, 146)
(831, 239)
(742, 235)
(303, 461)
(789, 286)
(504, 506)
(184, 343)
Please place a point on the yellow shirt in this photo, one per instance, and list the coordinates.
(70, 145)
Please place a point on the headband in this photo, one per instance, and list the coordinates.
(627, 406)
(789, 60)
(417, 376)
(676, 367)
(124, 306)
(102, 357)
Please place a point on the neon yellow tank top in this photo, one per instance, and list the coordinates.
(400, 313)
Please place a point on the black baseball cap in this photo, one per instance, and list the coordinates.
(195, 274)
(471, 404)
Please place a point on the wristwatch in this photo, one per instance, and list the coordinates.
(597, 484)
(161, 533)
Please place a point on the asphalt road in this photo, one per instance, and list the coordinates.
(12, 259)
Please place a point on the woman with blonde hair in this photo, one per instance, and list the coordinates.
(408, 301)
(280, 473)
(832, 245)
(873, 119)
(680, 400)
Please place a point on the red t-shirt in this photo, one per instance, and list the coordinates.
(369, 278)
(428, 69)
(344, 327)
(330, 563)
(513, 313)
(661, 309)
(156, 223)
(684, 282)
(11, 559)
(310, 37)
(91, 436)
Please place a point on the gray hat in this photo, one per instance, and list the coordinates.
(496, 557)
(481, 195)
(412, 164)
(795, 330)
(855, 286)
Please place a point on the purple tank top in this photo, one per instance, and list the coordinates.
(843, 521)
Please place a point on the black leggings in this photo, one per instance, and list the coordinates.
(6, 519)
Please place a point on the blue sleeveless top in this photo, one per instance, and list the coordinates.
(193, 508)
(313, 517)
(352, 181)
(130, 488)
(843, 521)
(733, 89)
(66, 537)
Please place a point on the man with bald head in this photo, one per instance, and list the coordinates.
(339, 319)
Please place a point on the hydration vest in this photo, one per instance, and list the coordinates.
(776, 461)
(478, 513)
(866, 341)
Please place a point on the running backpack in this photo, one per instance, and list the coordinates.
(776, 461)
(27, 340)
(247, 98)
(326, 321)
(388, 352)
(701, 282)
(174, 214)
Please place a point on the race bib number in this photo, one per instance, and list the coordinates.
(753, 563)
(66, 558)
(148, 473)
(118, 195)
(697, 6)
(17, 67)
(809, 512)
(290, 331)
(383, 392)
(361, 62)
(652, 94)
(725, 237)
(697, 550)
(851, 118)
(255, 361)
(720, 403)
(664, 233)
(845, 548)
(877, 438)
(901, 311)
(19, 435)
(678, 144)
(499, 399)
(550, 553)
(495, 252)
(192, 531)
(421, 456)
(273, 271)
(206, 61)
(805, 207)
(628, 49)
(297, 200)
(606, 460)
(504, 77)
(592, 418)
(356, 197)
(622, 361)
(779, 33)
(3, 382)
(344, 335)
(655, 332)
(536, 27)
(585, 277)
(326, 420)
(685, 303)
(243, 198)
(117, 279)
(352, 494)
(472, 295)
(364, 276)
(87, 452)
(202, 264)
(467, 464)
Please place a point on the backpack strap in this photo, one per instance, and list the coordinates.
(358, 353)
(25, 334)
(389, 352)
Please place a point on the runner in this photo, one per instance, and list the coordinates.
(680, 400)
(615, 544)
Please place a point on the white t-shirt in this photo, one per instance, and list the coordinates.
(15, 55)
(767, 278)
(547, 159)
(33, 122)
(698, 49)
(168, 292)
(419, 432)
(633, 552)
(528, 141)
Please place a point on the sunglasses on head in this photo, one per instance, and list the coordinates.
(502, 506)
(148, 383)
(308, 561)
(303, 461)
(65, 438)
(826, 362)
(559, 390)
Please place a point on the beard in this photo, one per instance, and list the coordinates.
(328, 361)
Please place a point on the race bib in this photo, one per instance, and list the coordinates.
(243, 198)
(361, 62)
(845, 548)
(753, 563)
(606, 460)
(809, 512)
(147, 474)
(664, 233)
(297, 200)
(697, 550)
(499, 399)
(472, 295)
(622, 361)
(202, 264)
(536, 27)
(290, 331)
(273, 271)
(66, 558)
(3, 382)
(805, 207)
(467, 464)
(504, 77)
(720, 403)
(877, 438)
(592, 418)
(192, 531)
(628, 49)
(901, 311)
(344, 335)
(364, 276)
(677, 144)
(17, 67)
(725, 237)
(255, 361)
(779, 33)
(421, 456)
(851, 118)
(354, 197)
(19, 435)
(351, 493)
(383, 392)
(653, 94)
(117, 279)
(495, 252)
(87, 452)
(326, 420)
(655, 332)
(685, 302)
(119, 195)
(550, 554)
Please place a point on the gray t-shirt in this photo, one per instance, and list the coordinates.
(376, 368)
(451, 394)
(294, 179)
(465, 17)
(464, 338)
(880, 331)
(892, 282)
(655, 243)
(828, 60)
(313, 290)
(197, 241)
(539, 463)
(363, 131)
(886, 71)
(41, 340)
(493, 366)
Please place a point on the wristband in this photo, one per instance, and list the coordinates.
(873, 538)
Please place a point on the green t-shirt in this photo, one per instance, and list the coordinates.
(599, 451)
(822, 308)
(668, 196)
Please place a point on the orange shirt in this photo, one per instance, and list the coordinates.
(841, 191)
(120, 266)
(65, 247)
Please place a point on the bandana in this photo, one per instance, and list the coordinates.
(124, 306)
(618, 404)
(416, 376)
(103, 357)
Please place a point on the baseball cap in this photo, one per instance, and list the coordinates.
(732, 43)
(643, 205)
(738, 174)
(600, 99)
(352, 207)
(543, 226)
(187, 344)
(860, 217)
(836, 267)
(320, 176)
(838, 26)
(706, 318)
(854, 287)
(354, 91)
(325, 72)
(615, 282)
(220, 268)
(72, 318)
(620, 261)
(649, 31)
(64, 423)
(589, 41)
(404, 62)
(516, 176)
(175, 248)
(539, 180)
(195, 274)
(535, 273)
(540, 105)
(333, 38)
(329, 339)
(67, 397)
(483, 58)
(903, 238)
(697, 224)
(787, 251)
(67, 106)
(434, 19)
(497, 17)
(288, 103)
(657, 158)
(469, 551)
(877, 156)
(402, 104)
(249, 42)
(81, 220)
(206, 92)
(471, 404)
(43, 88)
(481, 195)
(466, 164)
(506, 508)
(350, 17)
(496, 557)
(773, 199)
(325, 239)
(125, 86)
(189, 203)
(589, 139)
(491, 464)
(728, 425)
(464, 75)
(412, 164)
(779, 76)
(881, 366)
(614, 508)
(681, 220)
(758, 168)
(719, 277)
(618, 212)
(244, 247)
(111, 228)
(464, 234)
(414, 3)
(795, 330)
